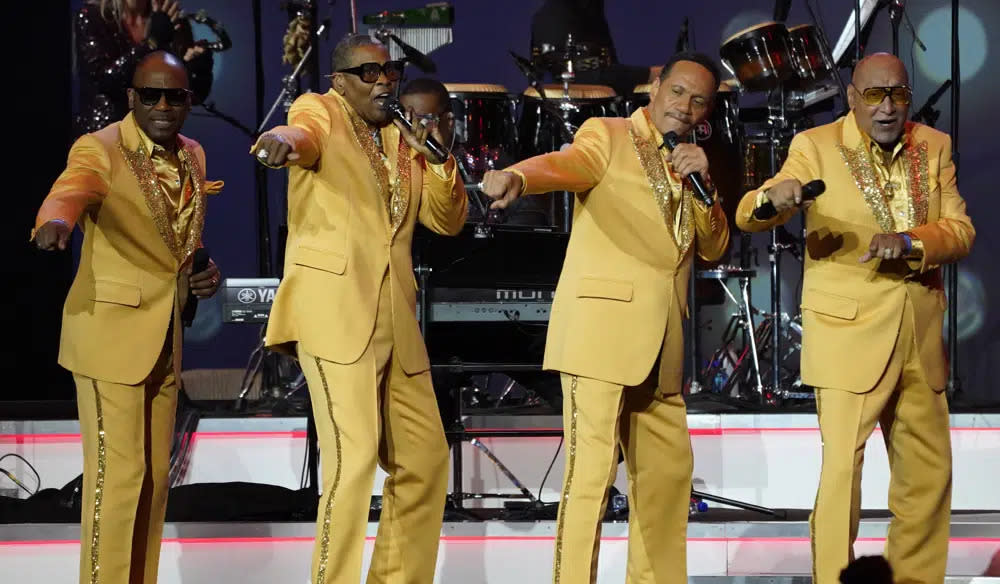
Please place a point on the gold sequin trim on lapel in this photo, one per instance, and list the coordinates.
(918, 183)
(363, 136)
(197, 177)
(570, 471)
(324, 539)
(142, 168)
(102, 461)
(860, 165)
(656, 175)
(401, 189)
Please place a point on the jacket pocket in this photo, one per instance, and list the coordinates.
(830, 304)
(601, 288)
(321, 259)
(116, 293)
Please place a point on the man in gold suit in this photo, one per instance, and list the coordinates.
(615, 334)
(347, 308)
(137, 189)
(872, 311)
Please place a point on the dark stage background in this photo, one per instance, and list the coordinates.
(644, 33)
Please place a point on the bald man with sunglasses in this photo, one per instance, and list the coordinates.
(137, 190)
(346, 307)
(872, 312)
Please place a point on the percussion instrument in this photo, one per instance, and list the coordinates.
(759, 56)
(485, 126)
(807, 57)
(539, 127)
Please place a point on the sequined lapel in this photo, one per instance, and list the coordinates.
(659, 184)
(396, 196)
(918, 184)
(197, 224)
(400, 200)
(860, 165)
(141, 165)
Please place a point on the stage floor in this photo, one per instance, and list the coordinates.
(489, 552)
(770, 460)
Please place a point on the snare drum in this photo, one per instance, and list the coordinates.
(807, 58)
(485, 124)
(539, 127)
(759, 56)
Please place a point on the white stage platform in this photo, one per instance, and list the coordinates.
(770, 460)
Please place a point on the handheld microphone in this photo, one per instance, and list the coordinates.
(198, 264)
(670, 141)
(810, 191)
(395, 109)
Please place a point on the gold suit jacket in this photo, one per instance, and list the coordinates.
(129, 288)
(625, 267)
(343, 235)
(851, 311)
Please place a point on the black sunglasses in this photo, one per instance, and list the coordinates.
(151, 95)
(370, 72)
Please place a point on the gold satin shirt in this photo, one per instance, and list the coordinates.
(174, 174)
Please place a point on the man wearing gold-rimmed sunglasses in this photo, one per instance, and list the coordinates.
(346, 307)
(872, 313)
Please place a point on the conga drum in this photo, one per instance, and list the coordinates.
(811, 68)
(539, 127)
(485, 126)
(759, 56)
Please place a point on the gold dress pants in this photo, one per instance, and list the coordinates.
(126, 432)
(369, 412)
(914, 421)
(651, 430)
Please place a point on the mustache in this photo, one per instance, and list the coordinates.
(685, 119)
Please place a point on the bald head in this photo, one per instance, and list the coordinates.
(883, 112)
(874, 69)
(159, 97)
(161, 66)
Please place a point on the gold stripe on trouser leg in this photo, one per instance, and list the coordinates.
(345, 407)
(918, 441)
(324, 541)
(591, 413)
(112, 431)
(846, 420)
(414, 453)
(658, 458)
(102, 461)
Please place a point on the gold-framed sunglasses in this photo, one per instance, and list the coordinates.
(370, 72)
(899, 94)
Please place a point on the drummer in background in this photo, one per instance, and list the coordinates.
(584, 19)
(430, 102)
(616, 328)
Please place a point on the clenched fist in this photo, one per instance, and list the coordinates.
(503, 187)
(273, 151)
(53, 235)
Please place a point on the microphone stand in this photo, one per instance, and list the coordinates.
(951, 270)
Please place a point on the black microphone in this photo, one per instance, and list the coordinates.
(810, 191)
(525, 66)
(198, 264)
(395, 109)
(420, 60)
(670, 141)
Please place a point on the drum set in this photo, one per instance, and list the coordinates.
(788, 71)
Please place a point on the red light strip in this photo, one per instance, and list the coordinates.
(300, 434)
(485, 539)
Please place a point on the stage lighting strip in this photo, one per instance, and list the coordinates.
(300, 434)
(490, 539)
